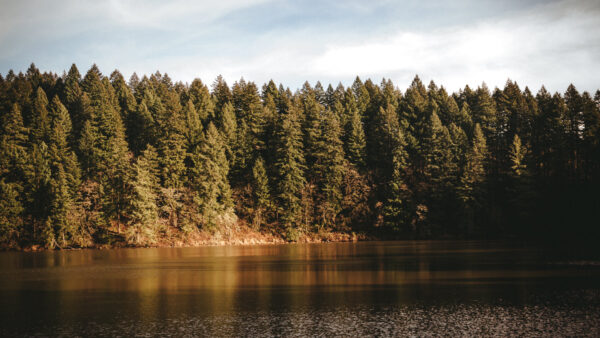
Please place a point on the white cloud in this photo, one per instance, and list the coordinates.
(553, 44)
(165, 14)
(544, 46)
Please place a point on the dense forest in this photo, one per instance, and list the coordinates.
(82, 158)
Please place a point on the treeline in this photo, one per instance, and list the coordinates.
(81, 158)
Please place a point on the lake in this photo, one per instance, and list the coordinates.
(365, 288)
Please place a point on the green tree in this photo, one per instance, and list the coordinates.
(289, 166)
(472, 181)
(13, 146)
(143, 222)
(209, 178)
(261, 194)
(11, 214)
(397, 208)
(330, 167)
(355, 144)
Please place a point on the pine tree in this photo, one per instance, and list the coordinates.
(472, 182)
(202, 101)
(249, 110)
(520, 190)
(209, 178)
(193, 130)
(289, 166)
(40, 130)
(397, 207)
(11, 210)
(329, 166)
(172, 148)
(484, 112)
(172, 160)
(355, 144)
(227, 125)
(39, 199)
(13, 142)
(72, 97)
(61, 200)
(143, 222)
(385, 129)
(517, 156)
(313, 115)
(260, 190)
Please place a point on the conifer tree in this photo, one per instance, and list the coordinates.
(221, 94)
(472, 181)
(13, 146)
(521, 195)
(355, 144)
(72, 97)
(385, 129)
(143, 222)
(202, 101)
(11, 214)
(397, 208)
(329, 166)
(484, 112)
(227, 125)
(517, 156)
(209, 177)
(313, 115)
(249, 108)
(260, 190)
(289, 166)
(193, 130)
(40, 131)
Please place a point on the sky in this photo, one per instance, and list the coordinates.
(454, 43)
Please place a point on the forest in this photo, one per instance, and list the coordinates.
(86, 159)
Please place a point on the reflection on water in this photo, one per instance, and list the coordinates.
(74, 292)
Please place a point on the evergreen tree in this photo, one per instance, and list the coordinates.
(355, 142)
(289, 166)
(260, 190)
(193, 130)
(202, 101)
(227, 125)
(143, 222)
(209, 177)
(397, 208)
(13, 146)
(40, 131)
(330, 167)
(221, 94)
(517, 156)
(11, 214)
(472, 181)
(521, 195)
(72, 97)
(313, 115)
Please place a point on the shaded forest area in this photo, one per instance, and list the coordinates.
(87, 159)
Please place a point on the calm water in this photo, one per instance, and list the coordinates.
(367, 288)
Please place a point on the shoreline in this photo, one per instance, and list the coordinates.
(241, 235)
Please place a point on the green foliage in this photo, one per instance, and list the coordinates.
(397, 209)
(143, 210)
(11, 210)
(517, 156)
(289, 167)
(355, 144)
(472, 181)
(208, 176)
(261, 194)
(81, 158)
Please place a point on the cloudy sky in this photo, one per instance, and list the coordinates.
(466, 42)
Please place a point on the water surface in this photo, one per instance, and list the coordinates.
(377, 288)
